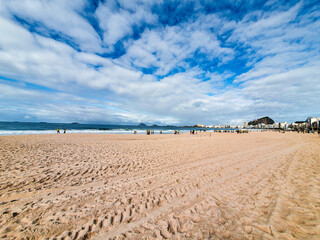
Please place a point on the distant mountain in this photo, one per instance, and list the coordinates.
(265, 120)
(141, 125)
(300, 121)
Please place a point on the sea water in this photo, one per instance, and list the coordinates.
(26, 128)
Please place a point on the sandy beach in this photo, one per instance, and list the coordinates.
(260, 185)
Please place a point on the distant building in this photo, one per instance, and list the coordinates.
(261, 125)
(313, 122)
(300, 125)
(245, 124)
(283, 125)
(294, 126)
(270, 126)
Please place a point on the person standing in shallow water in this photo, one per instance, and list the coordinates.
(58, 130)
(64, 130)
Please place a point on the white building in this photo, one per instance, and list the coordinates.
(314, 122)
(276, 125)
(283, 125)
(269, 126)
(295, 125)
(261, 125)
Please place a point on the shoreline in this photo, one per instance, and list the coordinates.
(119, 131)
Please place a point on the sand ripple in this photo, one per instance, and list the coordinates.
(206, 186)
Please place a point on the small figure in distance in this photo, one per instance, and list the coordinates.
(148, 132)
(134, 132)
(58, 130)
(160, 132)
(64, 130)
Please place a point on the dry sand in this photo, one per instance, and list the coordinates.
(206, 186)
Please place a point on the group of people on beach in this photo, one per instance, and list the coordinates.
(152, 132)
(308, 131)
(204, 130)
(64, 130)
(196, 131)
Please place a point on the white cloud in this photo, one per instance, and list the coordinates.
(281, 50)
(118, 22)
(167, 48)
(58, 16)
(47, 62)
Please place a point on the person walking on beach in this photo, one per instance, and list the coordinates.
(58, 130)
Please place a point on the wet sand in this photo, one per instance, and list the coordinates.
(205, 186)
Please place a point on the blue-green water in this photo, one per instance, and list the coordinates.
(21, 128)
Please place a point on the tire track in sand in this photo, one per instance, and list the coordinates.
(192, 197)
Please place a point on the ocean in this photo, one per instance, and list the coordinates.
(25, 128)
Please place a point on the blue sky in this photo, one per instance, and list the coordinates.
(164, 62)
